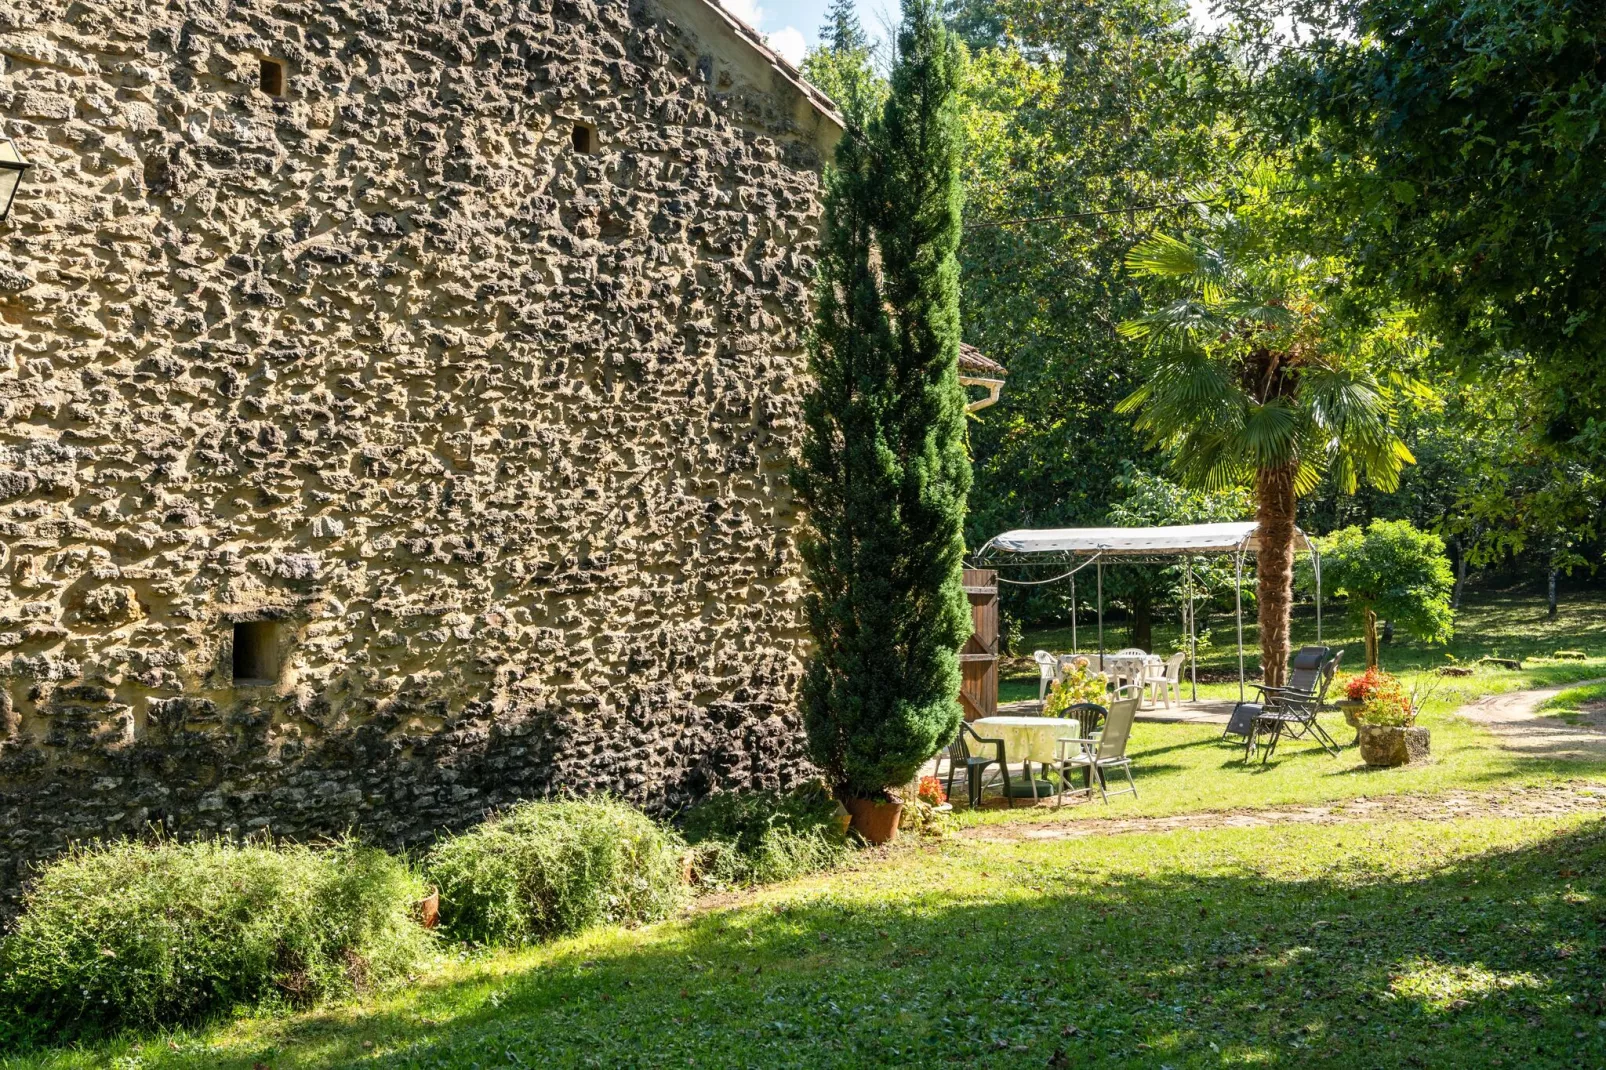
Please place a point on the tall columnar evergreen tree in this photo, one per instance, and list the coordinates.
(884, 473)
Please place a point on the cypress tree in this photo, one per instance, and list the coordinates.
(884, 471)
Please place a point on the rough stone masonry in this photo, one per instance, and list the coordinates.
(397, 400)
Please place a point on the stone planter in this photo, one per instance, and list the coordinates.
(1351, 710)
(1383, 745)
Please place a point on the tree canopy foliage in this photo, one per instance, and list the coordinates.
(1393, 571)
(1457, 152)
(1420, 188)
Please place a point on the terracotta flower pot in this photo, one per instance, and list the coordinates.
(876, 821)
(1388, 745)
(428, 909)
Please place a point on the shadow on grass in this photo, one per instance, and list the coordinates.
(1488, 961)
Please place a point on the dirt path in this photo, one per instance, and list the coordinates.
(1516, 722)
(1572, 798)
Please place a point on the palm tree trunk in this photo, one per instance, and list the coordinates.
(1275, 507)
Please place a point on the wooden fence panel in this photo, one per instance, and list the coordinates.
(978, 693)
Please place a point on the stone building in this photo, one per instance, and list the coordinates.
(398, 400)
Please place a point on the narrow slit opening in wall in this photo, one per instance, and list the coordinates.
(256, 652)
(272, 81)
(584, 139)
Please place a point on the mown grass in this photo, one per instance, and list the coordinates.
(1478, 942)
(1181, 768)
(1468, 943)
(1575, 703)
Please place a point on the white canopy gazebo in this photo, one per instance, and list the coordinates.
(1076, 548)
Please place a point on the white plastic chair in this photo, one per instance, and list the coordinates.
(1131, 652)
(1047, 673)
(1168, 682)
(1126, 671)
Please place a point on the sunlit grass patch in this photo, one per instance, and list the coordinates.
(1440, 986)
(1575, 704)
(1278, 946)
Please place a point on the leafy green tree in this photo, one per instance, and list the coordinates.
(842, 66)
(1256, 372)
(1457, 147)
(1393, 571)
(1151, 500)
(841, 31)
(1076, 111)
(884, 473)
(1527, 499)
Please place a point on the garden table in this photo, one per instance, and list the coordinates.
(1151, 667)
(1029, 739)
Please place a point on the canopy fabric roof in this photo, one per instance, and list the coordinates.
(1174, 539)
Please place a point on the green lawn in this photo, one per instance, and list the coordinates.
(1574, 703)
(1490, 624)
(1474, 943)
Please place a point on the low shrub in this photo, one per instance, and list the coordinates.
(140, 934)
(548, 868)
(763, 836)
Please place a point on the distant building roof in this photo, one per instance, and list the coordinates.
(973, 362)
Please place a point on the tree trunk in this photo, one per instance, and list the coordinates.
(1274, 515)
(1460, 575)
(1552, 594)
(1371, 638)
(1143, 625)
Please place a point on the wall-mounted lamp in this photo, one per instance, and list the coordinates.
(12, 165)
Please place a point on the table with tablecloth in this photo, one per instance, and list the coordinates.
(1029, 739)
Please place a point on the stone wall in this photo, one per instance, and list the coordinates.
(489, 431)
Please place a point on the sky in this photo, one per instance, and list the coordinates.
(793, 26)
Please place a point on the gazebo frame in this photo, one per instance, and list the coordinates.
(1077, 548)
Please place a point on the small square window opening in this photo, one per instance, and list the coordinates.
(272, 81)
(256, 652)
(584, 138)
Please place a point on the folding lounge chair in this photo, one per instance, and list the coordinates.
(1304, 674)
(1291, 712)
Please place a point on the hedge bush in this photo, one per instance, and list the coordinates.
(140, 934)
(762, 836)
(548, 868)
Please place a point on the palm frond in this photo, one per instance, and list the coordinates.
(1271, 434)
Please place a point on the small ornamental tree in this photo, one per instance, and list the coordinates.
(1393, 571)
(884, 472)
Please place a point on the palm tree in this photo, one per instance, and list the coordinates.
(1249, 378)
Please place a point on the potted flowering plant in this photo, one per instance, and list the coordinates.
(1387, 729)
(1357, 689)
(1076, 684)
